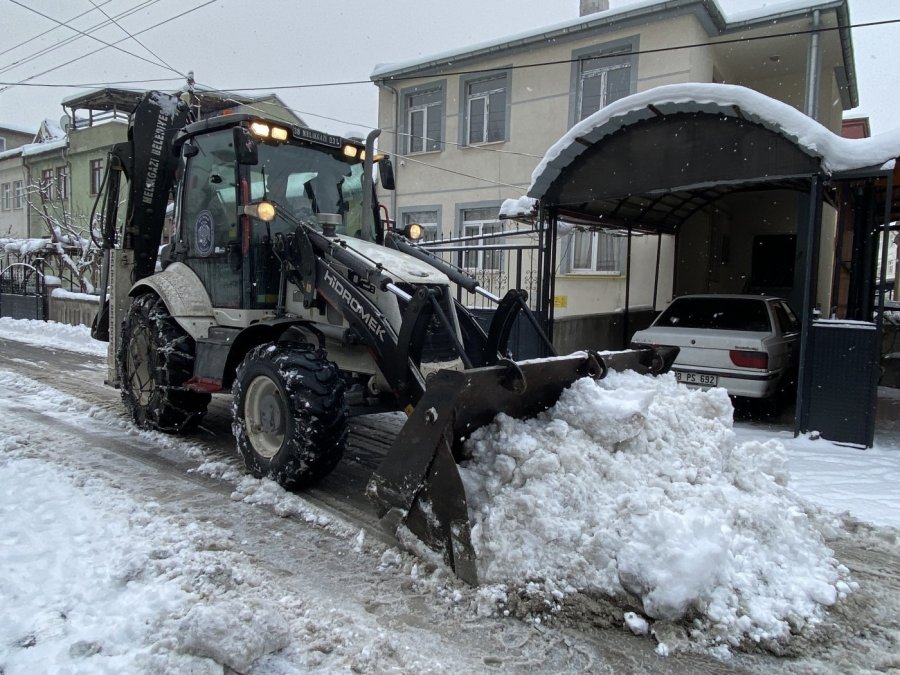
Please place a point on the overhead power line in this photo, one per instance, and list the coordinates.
(476, 71)
(94, 37)
(72, 38)
(146, 48)
(49, 30)
(90, 85)
(442, 72)
(140, 32)
(639, 52)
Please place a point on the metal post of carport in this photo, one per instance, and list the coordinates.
(813, 220)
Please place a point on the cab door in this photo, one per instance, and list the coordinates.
(208, 229)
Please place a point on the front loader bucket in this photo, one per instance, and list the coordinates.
(417, 489)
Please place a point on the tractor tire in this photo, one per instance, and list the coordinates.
(290, 414)
(155, 359)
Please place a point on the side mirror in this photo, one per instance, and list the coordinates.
(245, 149)
(386, 173)
(189, 150)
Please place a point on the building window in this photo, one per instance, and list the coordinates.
(6, 199)
(19, 194)
(597, 253)
(2, 144)
(602, 75)
(47, 183)
(481, 222)
(62, 186)
(424, 120)
(486, 110)
(96, 175)
(427, 219)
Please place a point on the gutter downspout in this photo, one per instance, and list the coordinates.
(813, 59)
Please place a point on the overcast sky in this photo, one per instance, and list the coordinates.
(232, 45)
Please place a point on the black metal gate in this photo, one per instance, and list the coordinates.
(22, 292)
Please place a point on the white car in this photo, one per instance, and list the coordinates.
(747, 344)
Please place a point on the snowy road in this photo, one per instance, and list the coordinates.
(226, 569)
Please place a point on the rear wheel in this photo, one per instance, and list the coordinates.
(155, 359)
(290, 416)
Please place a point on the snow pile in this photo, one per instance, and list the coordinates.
(634, 488)
(52, 335)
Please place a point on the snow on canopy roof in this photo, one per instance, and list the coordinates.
(644, 9)
(836, 153)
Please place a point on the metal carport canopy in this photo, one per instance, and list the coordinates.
(651, 160)
(656, 170)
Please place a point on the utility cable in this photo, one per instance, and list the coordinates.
(72, 38)
(84, 56)
(49, 30)
(146, 48)
(93, 37)
(639, 52)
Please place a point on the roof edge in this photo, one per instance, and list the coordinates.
(567, 29)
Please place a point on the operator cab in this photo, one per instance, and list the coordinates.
(234, 162)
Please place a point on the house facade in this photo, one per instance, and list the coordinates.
(468, 128)
(13, 217)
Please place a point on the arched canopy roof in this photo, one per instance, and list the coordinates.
(651, 160)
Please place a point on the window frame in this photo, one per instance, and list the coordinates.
(62, 183)
(432, 229)
(46, 183)
(619, 257)
(18, 194)
(96, 172)
(427, 109)
(630, 46)
(6, 196)
(481, 255)
(504, 79)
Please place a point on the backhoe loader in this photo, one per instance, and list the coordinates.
(282, 282)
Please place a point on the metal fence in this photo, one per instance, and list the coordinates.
(499, 262)
(24, 278)
(22, 293)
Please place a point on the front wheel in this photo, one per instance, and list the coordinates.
(290, 416)
(155, 359)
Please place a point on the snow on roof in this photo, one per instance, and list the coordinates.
(837, 153)
(15, 152)
(51, 130)
(518, 208)
(38, 148)
(615, 14)
(17, 129)
(89, 92)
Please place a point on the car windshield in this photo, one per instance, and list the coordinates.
(745, 314)
(309, 181)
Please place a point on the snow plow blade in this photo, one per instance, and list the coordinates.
(417, 490)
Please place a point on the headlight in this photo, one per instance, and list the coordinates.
(279, 134)
(264, 211)
(414, 231)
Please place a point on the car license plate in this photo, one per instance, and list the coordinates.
(697, 379)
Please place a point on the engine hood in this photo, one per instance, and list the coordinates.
(402, 267)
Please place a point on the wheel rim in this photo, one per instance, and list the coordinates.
(138, 361)
(265, 414)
